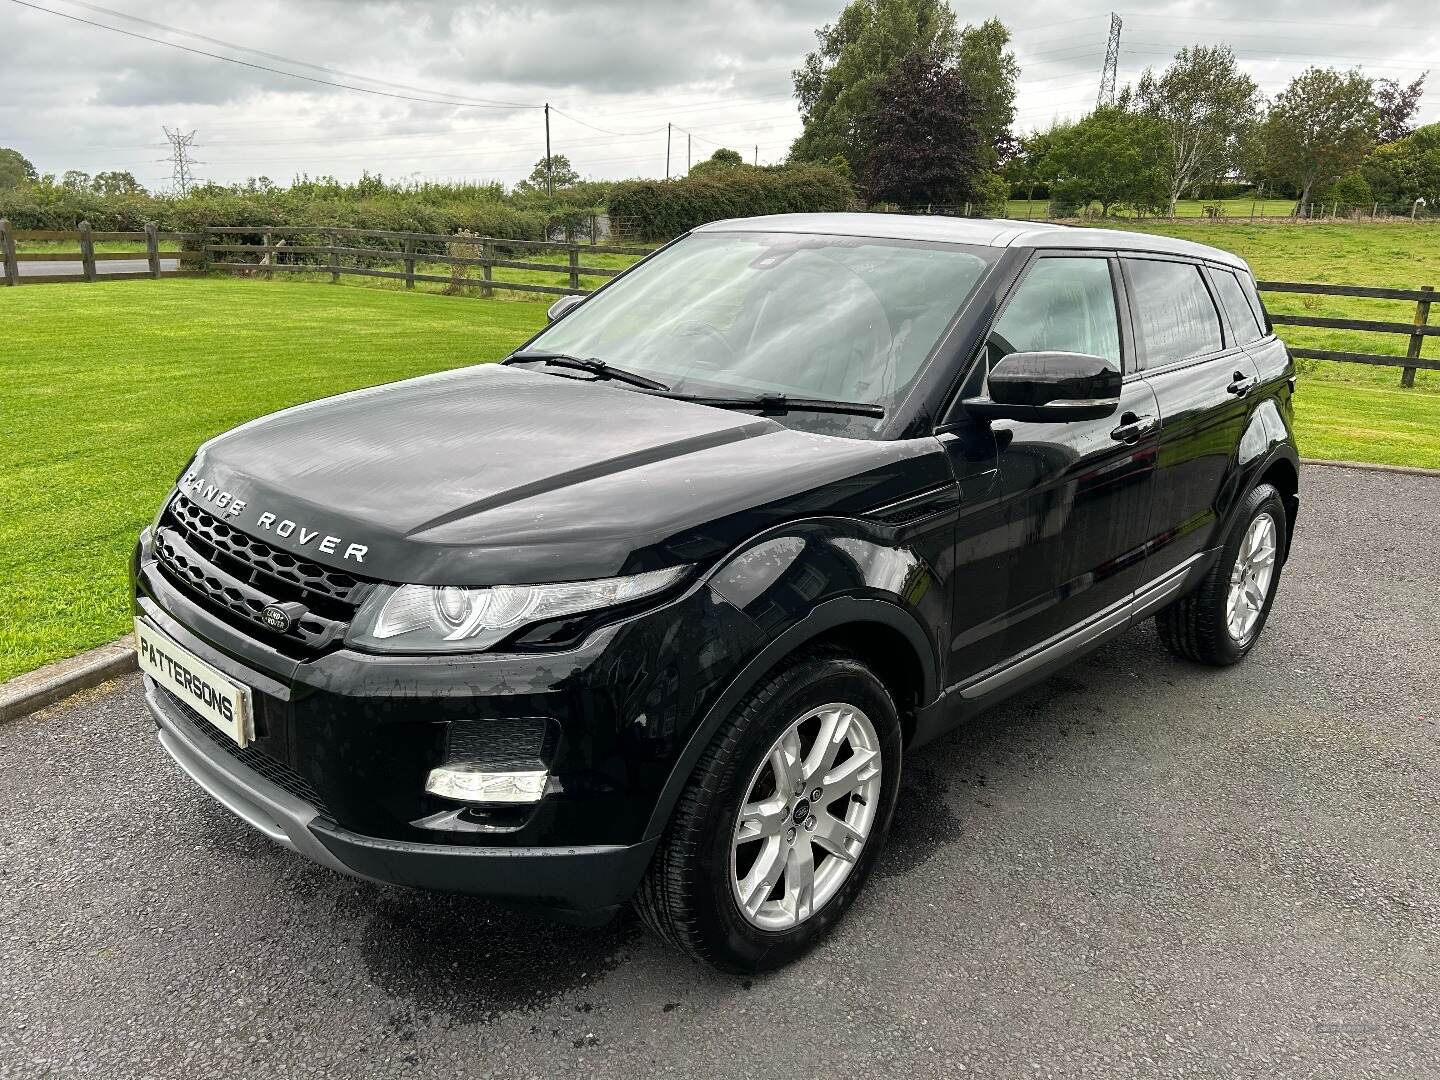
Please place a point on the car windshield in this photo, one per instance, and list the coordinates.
(739, 313)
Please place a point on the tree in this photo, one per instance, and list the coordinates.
(1114, 157)
(719, 161)
(1396, 105)
(1406, 169)
(15, 169)
(116, 183)
(75, 180)
(1319, 128)
(837, 84)
(555, 171)
(1205, 105)
(990, 70)
(923, 136)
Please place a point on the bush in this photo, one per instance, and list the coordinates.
(991, 193)
(1352, 189)
(657, 210)
(477, 209)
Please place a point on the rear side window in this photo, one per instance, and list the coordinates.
(1175, 318)
(1237, 307)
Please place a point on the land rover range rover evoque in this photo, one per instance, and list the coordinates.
(654, 610)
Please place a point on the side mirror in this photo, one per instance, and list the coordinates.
(561, 306)
(1049, 387)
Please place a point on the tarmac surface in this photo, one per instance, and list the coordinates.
(1141, 868)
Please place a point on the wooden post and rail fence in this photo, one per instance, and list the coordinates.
(84, 253)
(343, 249)
(1417, 330)
(298, 246)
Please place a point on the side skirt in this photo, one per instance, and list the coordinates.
(965, 699)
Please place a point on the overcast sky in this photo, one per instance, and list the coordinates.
(73, 96)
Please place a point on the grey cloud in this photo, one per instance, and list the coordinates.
(75, 97)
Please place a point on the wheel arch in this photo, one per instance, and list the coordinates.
(883, 635)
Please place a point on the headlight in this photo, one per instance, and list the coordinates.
(426, 618)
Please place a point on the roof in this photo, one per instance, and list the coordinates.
(986, 232)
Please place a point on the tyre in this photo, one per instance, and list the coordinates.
(1219, 622)
(782, 819)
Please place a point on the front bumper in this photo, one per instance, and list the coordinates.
(344, 741)
(582, 884)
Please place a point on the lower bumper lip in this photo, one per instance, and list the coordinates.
(584, 884)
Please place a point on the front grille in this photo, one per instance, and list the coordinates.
(253, 758)
(276, 566)
(238, 575)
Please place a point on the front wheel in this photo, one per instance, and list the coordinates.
(1221, 620)
(782, 820)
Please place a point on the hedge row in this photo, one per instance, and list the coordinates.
(656, 210)
(39, 207)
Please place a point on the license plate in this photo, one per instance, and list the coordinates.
(216, 697)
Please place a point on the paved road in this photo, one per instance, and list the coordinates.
(109, 266)
(1140, 869)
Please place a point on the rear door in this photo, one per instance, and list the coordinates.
(1203, 379)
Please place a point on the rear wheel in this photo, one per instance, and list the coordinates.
(782, 820)
(1221, 620)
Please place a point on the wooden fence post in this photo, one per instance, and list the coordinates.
(152, 248)
(487, 269)
(334, 238)
(409, 263)
(575, 267)
(268, 240)
(87, 250)
(7, 251)
(1417, 339)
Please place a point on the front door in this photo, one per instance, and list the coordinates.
(1061, 537)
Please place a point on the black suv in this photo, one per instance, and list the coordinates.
(653, 610)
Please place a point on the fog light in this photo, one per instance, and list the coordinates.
(468, 784)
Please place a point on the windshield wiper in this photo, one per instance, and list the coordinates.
(598, 368)
(782, 403)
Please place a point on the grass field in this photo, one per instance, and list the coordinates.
(106, 389)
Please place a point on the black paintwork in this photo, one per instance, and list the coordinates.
(957, 553)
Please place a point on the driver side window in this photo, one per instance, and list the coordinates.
(1064, 304)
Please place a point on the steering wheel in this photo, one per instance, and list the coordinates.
(696, 327)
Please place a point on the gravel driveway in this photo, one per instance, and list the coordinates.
(1140, 869)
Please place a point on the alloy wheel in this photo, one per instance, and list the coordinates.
(806, 815)
(1250, 578)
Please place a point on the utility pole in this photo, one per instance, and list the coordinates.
(1112, 64)
(757, 155)
(182, 176)
(549, 172)
(667, 151)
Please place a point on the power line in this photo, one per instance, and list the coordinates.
(324, 68)
(275, 71)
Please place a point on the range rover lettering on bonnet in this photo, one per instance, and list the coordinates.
(229, 506)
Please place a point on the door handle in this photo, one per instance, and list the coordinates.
(1133, 427)
(1242, 385)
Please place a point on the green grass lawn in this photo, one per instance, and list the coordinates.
(106, 390)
